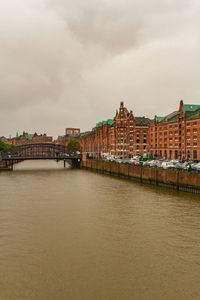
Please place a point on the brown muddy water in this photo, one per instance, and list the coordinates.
(75, 234)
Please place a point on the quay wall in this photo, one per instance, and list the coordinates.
(174, 179)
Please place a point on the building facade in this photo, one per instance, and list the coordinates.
(27, 138)
(177, 135)
(123, 136)
(174, 136)
(70, 133)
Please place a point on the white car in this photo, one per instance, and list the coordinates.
(167, 165)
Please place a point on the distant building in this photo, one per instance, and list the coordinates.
(4, 139)
(27, 138)
(70, 133)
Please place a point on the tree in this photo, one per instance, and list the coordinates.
(73, 145)
(5, 145)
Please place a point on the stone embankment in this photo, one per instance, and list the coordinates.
(179, 180)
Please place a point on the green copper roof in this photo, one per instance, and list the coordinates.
(173, 119)
(110, 122)
(159, 119)
(104, 123)
(122, 102)
(116, 115)
(17, 135)
(190, 107)
(98, 124)
(192, 115)
(29, 136)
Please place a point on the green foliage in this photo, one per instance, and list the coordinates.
(5, 145)
(73, 145)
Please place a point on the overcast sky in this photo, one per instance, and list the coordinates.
(69, 63)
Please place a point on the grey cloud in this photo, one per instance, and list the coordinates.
(65, 63)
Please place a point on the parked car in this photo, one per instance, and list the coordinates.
(168, 165)
(195, 167)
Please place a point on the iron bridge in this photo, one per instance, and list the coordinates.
(11, 156)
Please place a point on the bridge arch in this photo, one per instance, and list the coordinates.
(39, 151)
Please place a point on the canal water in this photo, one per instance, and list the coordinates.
(75, 234)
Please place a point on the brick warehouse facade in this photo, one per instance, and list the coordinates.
(27, 138)
(175, 136)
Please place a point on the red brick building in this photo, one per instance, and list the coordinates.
(175, 136)
(27, 138)
(70, 133)
(123, 136)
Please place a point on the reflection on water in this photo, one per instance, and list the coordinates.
(74, 234)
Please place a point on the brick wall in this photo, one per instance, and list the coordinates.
(177, 179)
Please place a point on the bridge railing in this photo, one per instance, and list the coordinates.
(38, 151)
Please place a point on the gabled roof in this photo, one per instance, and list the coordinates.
(29, 136)
(173, 117)
(159, 119)
(190, 107)
(143, 120)
(192, 115)
(116, 115)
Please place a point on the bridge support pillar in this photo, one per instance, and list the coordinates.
(64, 163)
(76, 163)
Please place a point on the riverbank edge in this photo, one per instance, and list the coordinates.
(172, 179)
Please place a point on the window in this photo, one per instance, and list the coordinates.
(69, 131)
(195, 154)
